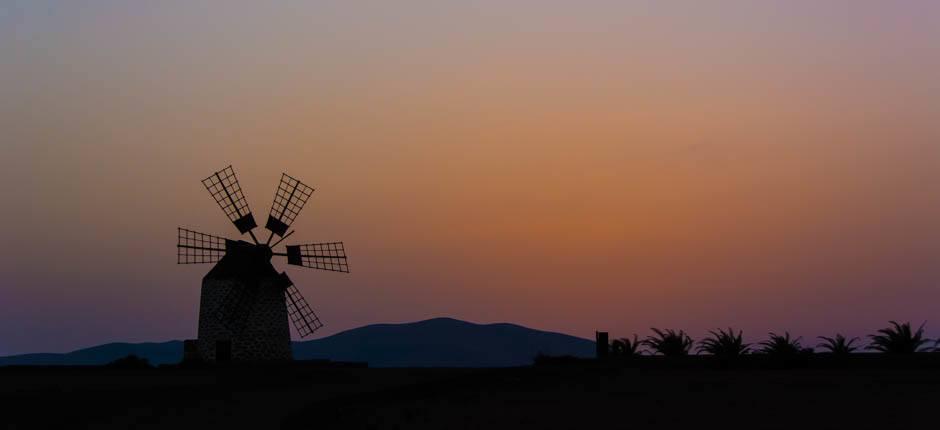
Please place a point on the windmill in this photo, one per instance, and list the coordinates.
(245, 303)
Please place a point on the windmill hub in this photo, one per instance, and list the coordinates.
(245, 303)
(248, 250)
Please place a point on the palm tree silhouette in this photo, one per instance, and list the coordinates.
(626, 347)
(781, 346)
(724, 344)
(838, 345)
(899, 339)
(669, 343)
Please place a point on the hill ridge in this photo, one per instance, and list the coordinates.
(433, 342)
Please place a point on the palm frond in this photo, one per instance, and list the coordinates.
(838, 345)
(781, 345)
(724, 344)
(669, 342)
(626, 347)
(899, 339)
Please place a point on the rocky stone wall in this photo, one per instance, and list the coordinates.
(265, 336)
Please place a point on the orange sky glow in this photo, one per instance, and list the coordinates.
(566, 166)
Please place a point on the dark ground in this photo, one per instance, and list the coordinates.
(579, 395)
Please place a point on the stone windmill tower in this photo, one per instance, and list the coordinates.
(246, 303)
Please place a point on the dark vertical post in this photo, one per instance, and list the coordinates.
(223, 351)
(602, 344)
(191, 351)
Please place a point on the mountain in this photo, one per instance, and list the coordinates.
(438, 342)
(442, 342)
(157, 353)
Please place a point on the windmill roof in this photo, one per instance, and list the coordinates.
(243, 260)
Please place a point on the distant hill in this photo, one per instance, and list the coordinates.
(442, 342)
(157, 353)
(439, 342)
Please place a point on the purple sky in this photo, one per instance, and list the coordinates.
(768, 165)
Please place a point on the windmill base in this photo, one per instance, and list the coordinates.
(265, 336)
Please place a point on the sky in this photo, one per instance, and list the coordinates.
(567, 166)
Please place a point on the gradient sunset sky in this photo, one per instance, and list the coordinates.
(568, 166)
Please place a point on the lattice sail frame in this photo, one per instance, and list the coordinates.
(193, 247)
(227, 192)
(289, 199)
(299, 311)
(329, 256)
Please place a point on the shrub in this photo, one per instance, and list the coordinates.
(724, 344)
(626, 347)
(669, 343)
(547, 360)
(899, 339)
(780, 346)
(838, 345)
(130, 362)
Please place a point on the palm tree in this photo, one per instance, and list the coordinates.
(781, 345)
(838, 345)
(625, 347)
(669, 343)
(724, 344)
(899, 339)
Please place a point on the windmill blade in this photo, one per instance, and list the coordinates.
(193, 247)
(227, 192)
(301, 315)
(233, 313)
(290, 198)
(324, 256)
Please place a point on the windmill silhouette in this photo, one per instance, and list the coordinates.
(245, 303)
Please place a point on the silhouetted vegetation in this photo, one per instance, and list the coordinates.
(899, 339)
(626, 347)
(782, 346)
(838, 345)
(724, 344)
(130, 362)
(727, 349)
(544, 359)
(669, 343)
